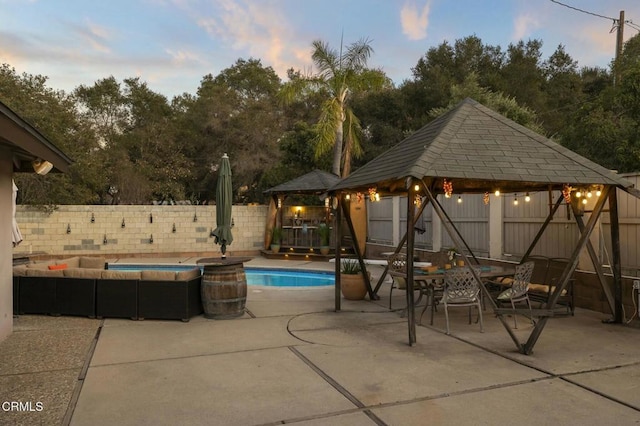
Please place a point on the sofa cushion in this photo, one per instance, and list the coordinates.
(42, 266)
(32, 272)
(57, 267)
(71, 262)
(188, 275)
(83, 273)
(92, 262)
(120, 275)
(20, 271)
(150, 275)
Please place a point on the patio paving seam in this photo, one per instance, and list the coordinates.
(337, 386)
(562, 376)
(81, 377)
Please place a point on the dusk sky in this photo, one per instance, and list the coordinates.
(172, 44)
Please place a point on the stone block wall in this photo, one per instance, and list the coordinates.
(148, 230)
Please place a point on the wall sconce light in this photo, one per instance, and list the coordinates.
(327, 202)
(150, 217)
(122, 225)
(279, 202)
(151, 239)
(104, 240)
(41, 166)
(93, 218)
(68, 228)
(174, 228)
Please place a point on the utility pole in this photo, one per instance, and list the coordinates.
(619, 41)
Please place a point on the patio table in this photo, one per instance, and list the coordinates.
(431, 282)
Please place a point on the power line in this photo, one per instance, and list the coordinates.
(584, 11)
(615, 20)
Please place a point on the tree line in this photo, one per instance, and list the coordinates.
(132, 145)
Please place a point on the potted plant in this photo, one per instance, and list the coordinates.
(352, 280)
(325, 235)
(276, 239)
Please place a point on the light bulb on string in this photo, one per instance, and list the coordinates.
(527, 198)
(497, 193)
(578, 194)
(584, 201)
(589, 194)
(598, 193)
(515, 200)
(459, 199)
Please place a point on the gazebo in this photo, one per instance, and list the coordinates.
(473, 150)
(316, 182)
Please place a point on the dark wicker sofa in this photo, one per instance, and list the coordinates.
(97, 292)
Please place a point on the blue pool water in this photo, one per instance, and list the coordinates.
(288, 278)
(255, 276)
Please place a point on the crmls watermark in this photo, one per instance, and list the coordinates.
(22, 406)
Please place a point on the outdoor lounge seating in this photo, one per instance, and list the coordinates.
(91, 290)
(546, 274)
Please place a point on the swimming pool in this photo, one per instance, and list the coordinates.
(255, 276)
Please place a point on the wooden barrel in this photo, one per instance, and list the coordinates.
(224, 290)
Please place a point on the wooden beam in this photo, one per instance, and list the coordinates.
(356, 248)
(411, 313)
(455, 236)
(527, 349)
(337, 232)
(552, 211)
(616, 267)
(595, 261)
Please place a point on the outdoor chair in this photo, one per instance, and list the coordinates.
(462, 289)
(398, 271)
(518, 292)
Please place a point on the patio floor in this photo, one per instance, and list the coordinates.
(292, 359)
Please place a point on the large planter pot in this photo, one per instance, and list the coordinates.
(275, 248)
(353, 286)
(325, 250)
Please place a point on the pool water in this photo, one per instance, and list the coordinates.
(255, 276)
(288, 278)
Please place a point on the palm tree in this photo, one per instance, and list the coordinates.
(340, 74)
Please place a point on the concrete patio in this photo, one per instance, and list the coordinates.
(292, 359)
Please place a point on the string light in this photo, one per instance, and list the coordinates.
(459, 199)
(515, 200)
(527, 198)
(372, 194)
(589, 194)
(416, 187)
(584, 201)
(447, 188)
(347, 197)
(578, 194)
(598, 193)
(566, 193)
(497, 193)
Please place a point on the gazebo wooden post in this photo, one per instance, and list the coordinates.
(552, 211)
(616, 267)
(455, 236)
(595, 261)
(527, 349)
(337, 241)
(411, 314)
(356, 247)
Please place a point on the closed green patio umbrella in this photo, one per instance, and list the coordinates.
(224, 198)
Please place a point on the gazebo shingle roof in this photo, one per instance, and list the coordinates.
(316, 181)
(479, 149)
